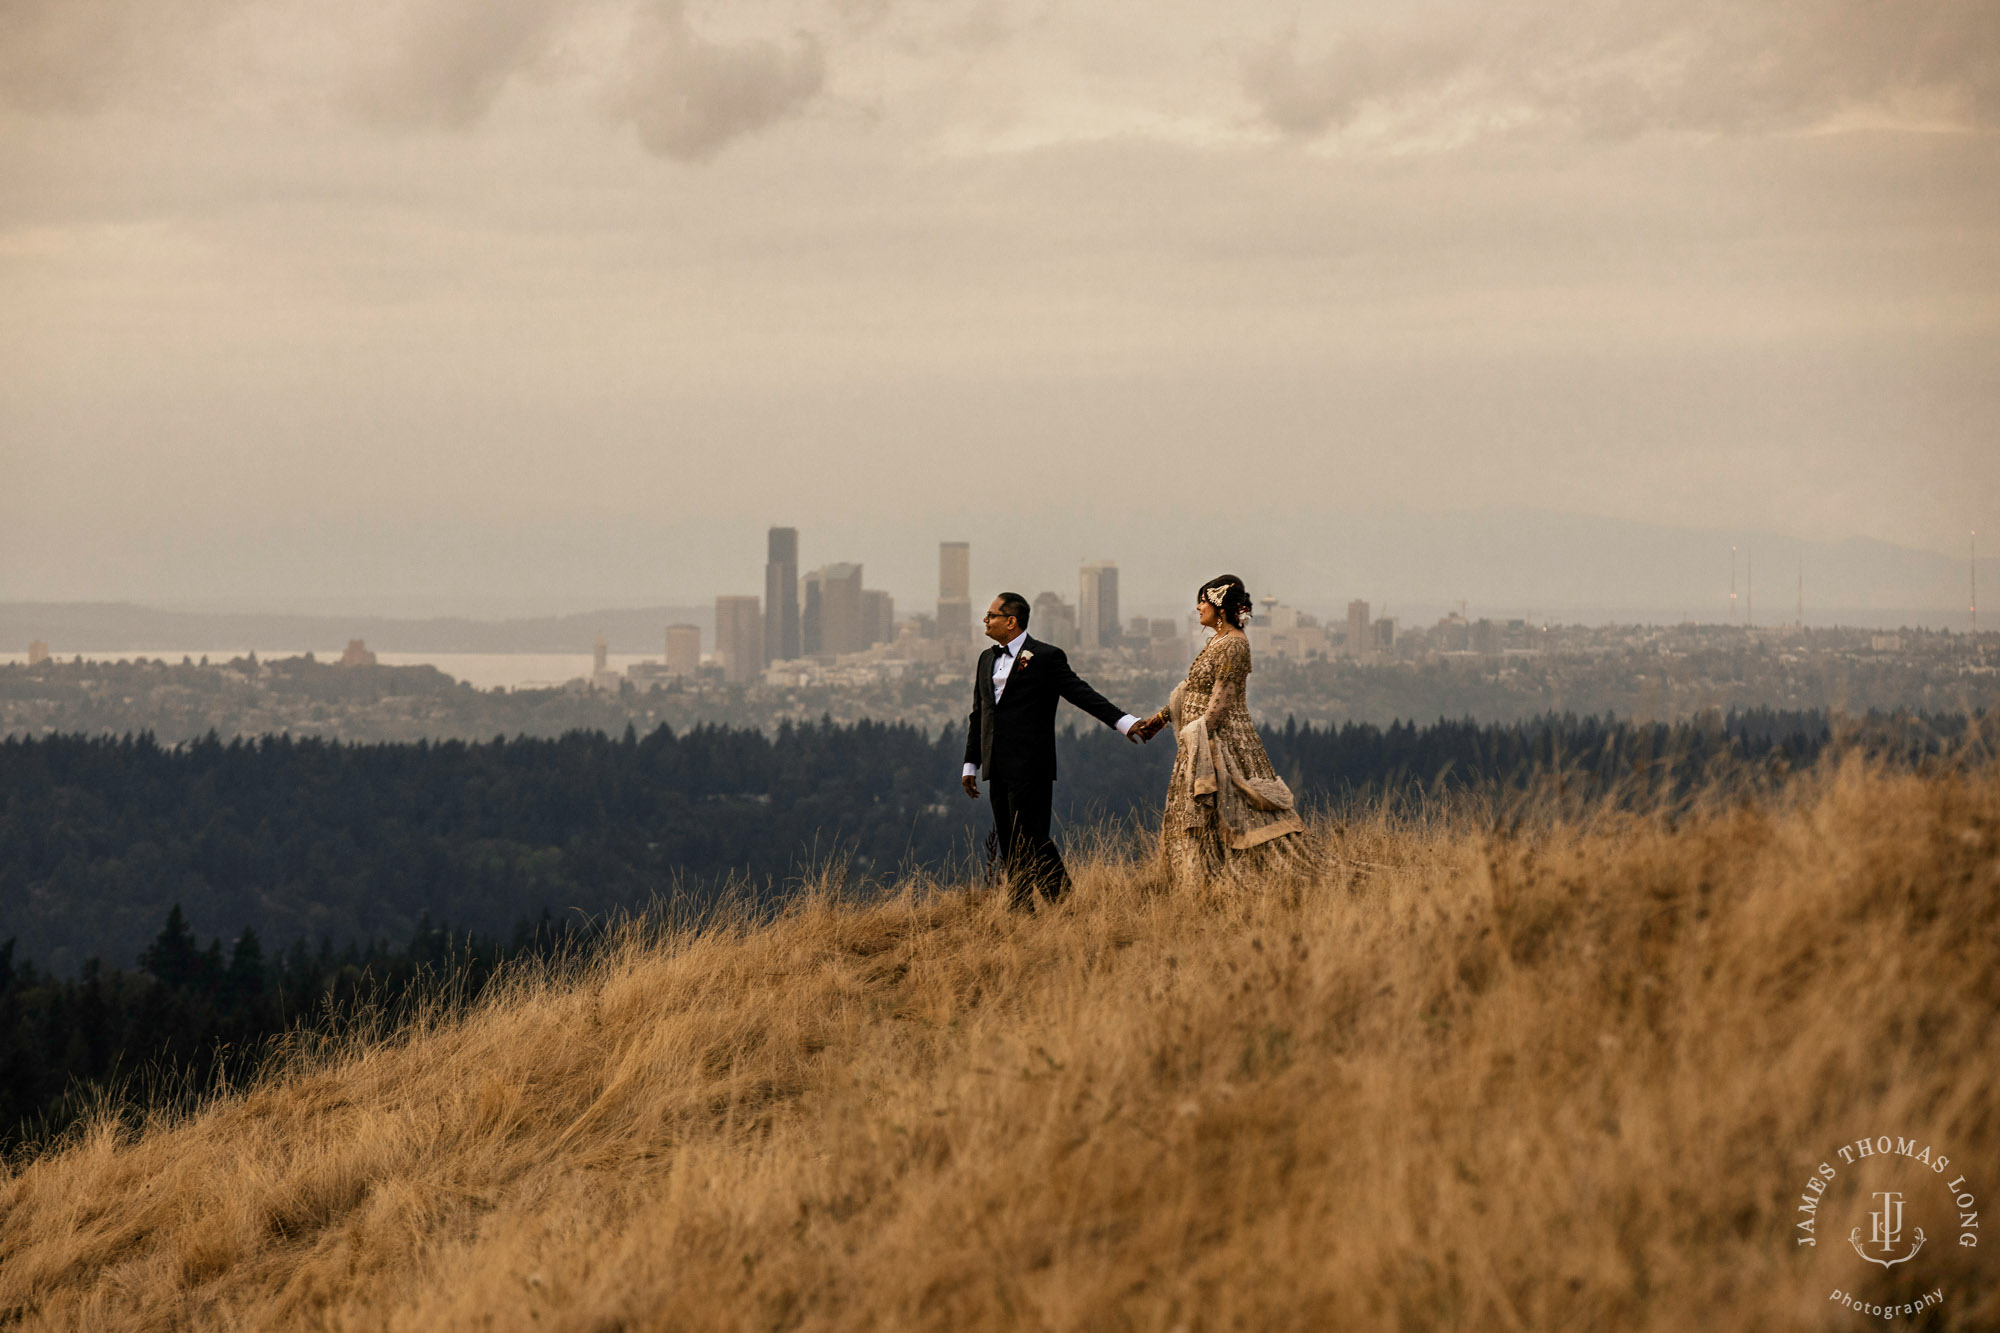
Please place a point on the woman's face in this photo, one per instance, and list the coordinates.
(1210, 617)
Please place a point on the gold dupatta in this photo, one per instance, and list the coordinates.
(1250, 810)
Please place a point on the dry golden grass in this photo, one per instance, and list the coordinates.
(1567, 1078)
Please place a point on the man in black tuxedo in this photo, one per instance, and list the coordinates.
(1012, 736)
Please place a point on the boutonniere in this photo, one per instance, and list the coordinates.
(1026, 656)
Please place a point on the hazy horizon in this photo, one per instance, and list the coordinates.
(531, 304)
(1588, 570)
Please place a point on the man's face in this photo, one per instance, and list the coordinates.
(1000, 627)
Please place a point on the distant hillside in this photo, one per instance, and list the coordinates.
(1569, 1076)
(112, 627)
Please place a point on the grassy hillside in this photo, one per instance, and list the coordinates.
(1568, 1075)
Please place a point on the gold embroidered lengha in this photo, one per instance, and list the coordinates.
(1227, 810)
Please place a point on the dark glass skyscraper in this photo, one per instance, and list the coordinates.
(781, 597)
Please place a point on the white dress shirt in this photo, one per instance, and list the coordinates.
(1003, 667)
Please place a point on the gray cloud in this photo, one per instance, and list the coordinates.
(1643, 65)
(1309, 96)
(687, 96)
(69, 56)
(453, 58)
(423, 62)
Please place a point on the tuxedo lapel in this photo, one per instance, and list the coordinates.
(1014, 672)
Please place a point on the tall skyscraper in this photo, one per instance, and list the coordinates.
(1097, 605)
(781, 596)
(831, 623)
(954, 609)
(1053, 620)
(684, 649)
(739, 638)
(878, 617)
(1358, 642)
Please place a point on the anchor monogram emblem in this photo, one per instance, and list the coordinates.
(1885, 1231)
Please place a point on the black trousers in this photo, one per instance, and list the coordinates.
(1021, 814)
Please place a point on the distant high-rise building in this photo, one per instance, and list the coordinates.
(602, 677)
(1053, 620)
(684, 649)
(1097, 605)
(357, 654)
(954, 608)
(878, 617)
(739, 638)
(809, 616)
(832, 623)
(38, 652)
(1358, 642)
(781, 596)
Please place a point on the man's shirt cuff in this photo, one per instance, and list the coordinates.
(972, 770)
(1126, 723)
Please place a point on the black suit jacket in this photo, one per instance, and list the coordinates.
(1015, 739)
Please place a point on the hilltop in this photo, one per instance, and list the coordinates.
(1565, 1071)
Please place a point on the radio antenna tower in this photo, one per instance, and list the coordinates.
(1801, 621)
(1749, 586)
(1972, 573)
(1732, 585)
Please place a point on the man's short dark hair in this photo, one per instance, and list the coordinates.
(1015, 605)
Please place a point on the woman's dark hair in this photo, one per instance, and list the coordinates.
(1235, 603)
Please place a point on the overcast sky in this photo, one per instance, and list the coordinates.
(555, 303)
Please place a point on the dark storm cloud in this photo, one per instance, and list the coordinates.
(688, 96)
(1625, 68)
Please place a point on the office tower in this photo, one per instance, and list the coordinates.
(1358, 642)
(1097, 605)
(1385, 634)
(1053, 621)
(781, 596)
(878, 617)
(954, 608)
(38, 652)
(598, 654)
(809, 616)
(739, 638)
(684, 649)
(831, 623)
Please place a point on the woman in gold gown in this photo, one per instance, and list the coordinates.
(1227, 810)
